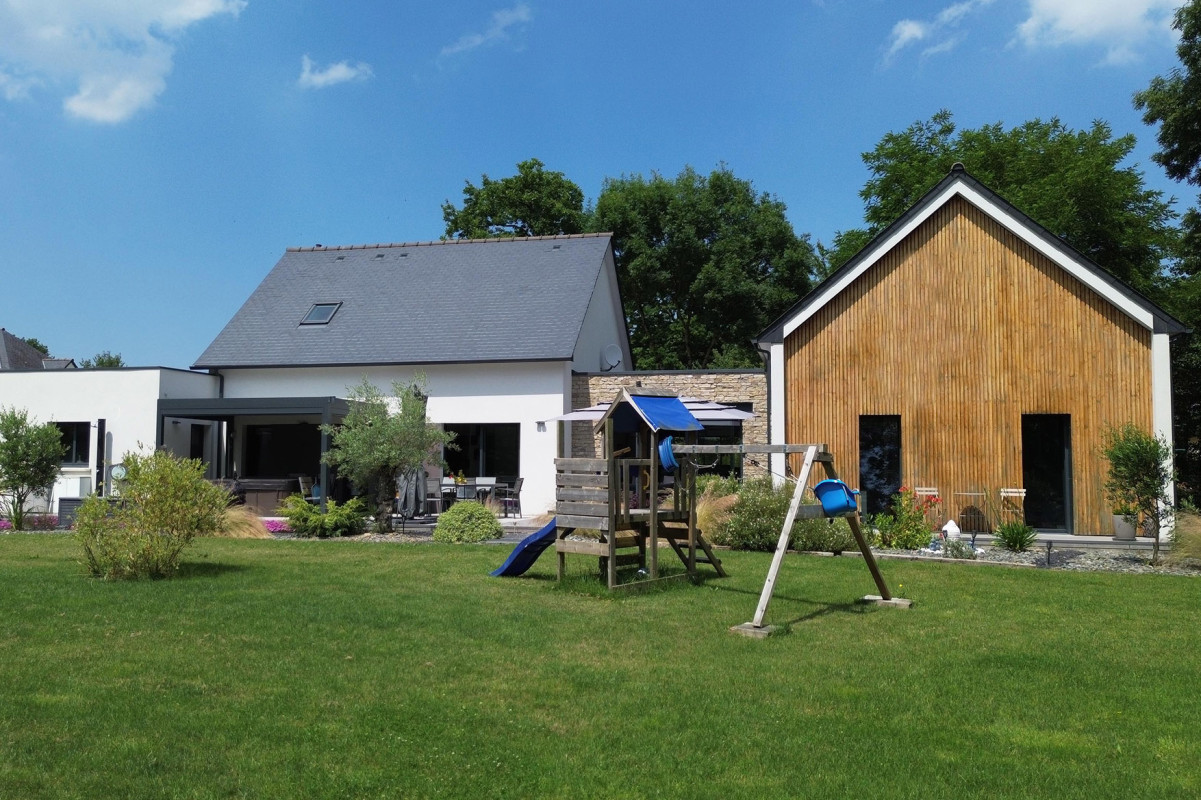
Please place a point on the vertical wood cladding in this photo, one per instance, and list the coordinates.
(960, 330)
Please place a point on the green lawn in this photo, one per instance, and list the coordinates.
(342, 669)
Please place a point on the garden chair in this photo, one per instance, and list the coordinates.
(510, 497)
(433, 495)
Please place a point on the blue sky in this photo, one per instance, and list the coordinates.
(158, 156)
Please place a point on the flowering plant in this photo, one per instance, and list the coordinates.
(909, 529)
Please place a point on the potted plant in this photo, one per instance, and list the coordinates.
(1140, 478)
(1124, 519)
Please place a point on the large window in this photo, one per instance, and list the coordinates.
(879, 460)
(282, 451)
(76, 436)
(485, 450)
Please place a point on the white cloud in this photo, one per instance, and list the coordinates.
(502, 21)
(116, 55)
(1120, 26)
(937, 30)
(341, 72)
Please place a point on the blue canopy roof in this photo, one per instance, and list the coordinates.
(658, 412)
(665, 413)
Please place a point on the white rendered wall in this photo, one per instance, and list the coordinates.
(126, 399)
(522, 393)
(604, 324)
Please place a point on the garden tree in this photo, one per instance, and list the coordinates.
(36, 345)
(105, 360)
(704, 263)
(382, 438)
(1070, 182)
(30, 455)
(534, 202)
(1140, 474)
(1174, 103)
(165, 504)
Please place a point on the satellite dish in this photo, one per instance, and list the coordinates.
(610, 357)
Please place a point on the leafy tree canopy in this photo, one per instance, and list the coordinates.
(105, 360)
(30, 455)
(1174, 102)
(1070, 182)
(704, 262)
(37, 345)
(382, 438)
(534, 202)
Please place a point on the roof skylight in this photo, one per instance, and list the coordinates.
(320, 313)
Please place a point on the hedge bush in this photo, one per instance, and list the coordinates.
(164, 502)
(754, 521)
(467, 521)
(306, 520)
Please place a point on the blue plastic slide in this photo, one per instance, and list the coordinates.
(526, 552)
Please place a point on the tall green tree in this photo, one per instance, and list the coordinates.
(704, 261)
(382, 438)
(534, 202)
(104, 360)
(1073, 183)
(30, 456)
(37, 345)
(1173, 102)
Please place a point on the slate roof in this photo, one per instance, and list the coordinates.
(1113, 288)
(520, 299)
(15, 353)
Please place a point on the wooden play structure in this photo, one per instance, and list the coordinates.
(619, 496)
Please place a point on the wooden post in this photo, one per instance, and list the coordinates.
(652, 497)
(614, 485)
(688, 473)
(770, 584)
(864, 547)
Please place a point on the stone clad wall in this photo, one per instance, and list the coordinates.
(721, 386)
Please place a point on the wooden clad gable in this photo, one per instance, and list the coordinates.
(960, 329)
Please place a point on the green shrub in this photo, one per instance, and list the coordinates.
(467, 521)
(1186, 536)
(164, 503)
(1016, 536)
(306, 520)
(755, 520)
(717, 486)
(822, 535)
(957, 548)
(906, 528)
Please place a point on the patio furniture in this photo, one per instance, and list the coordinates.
(448, 492)
(310, 491)
(433, 494)
(510, 497)
(484, 488)
(1013, 505)
(466, 490)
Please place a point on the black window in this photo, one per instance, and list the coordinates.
(75, 437)
(320, 314)
(879, 460)
(485, 450)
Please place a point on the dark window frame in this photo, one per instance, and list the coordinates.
(322, 319)
(77, 441)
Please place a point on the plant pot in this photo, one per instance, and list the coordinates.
(1123, 528)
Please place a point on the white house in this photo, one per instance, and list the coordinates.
(104, 413)
(495, 326)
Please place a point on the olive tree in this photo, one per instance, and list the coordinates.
(30, 455)
(1140, 476)
(383, 437)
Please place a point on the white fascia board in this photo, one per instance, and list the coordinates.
(776, 427)
(1074, 268)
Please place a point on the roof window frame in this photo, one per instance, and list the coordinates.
(308, 320)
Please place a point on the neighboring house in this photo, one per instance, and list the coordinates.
(968, 349)
(105, 413)
(496, 327)
(16, 354)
